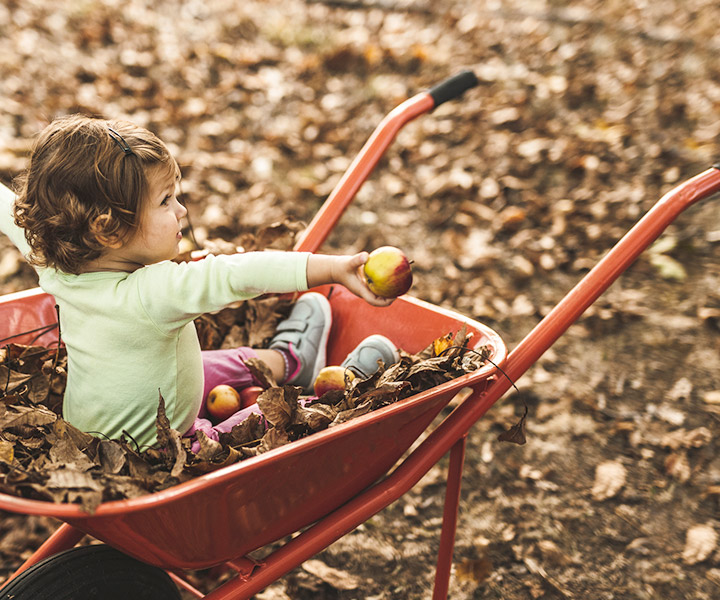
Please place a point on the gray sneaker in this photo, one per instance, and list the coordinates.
(304, 334)
(363, 361)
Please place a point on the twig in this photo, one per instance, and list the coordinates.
(481, 355)
(57, 351)
(45, 329)
(538, 570)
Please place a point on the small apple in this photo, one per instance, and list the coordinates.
(332, 378)
(248, 395)
(387, 272)
(222, 401)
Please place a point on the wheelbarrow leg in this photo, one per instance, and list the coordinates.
(450, 515)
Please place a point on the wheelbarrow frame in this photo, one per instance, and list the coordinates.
(450, 434)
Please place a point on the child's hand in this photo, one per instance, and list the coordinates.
(344, 270)
(356, 282)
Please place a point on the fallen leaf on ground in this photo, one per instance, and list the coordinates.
(678, 466)
(700, 541)
(340, 580)
(474, 570)
(682, 438)
(610, 477)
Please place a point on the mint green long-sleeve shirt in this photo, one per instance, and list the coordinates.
(131, 335)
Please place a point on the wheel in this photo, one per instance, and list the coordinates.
(96, 572)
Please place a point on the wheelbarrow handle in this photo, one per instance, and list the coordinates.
(453, 87)
(330, 212)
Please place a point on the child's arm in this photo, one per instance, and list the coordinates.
(7, 221)
(345, 270)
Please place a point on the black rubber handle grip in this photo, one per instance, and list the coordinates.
(453, 87)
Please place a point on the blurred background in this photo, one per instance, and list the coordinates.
(587, 112)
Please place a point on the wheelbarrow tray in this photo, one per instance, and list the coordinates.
(227, 513)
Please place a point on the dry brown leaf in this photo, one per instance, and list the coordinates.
(209, 448)
(474, 570)
(212, 456)
(714, 576)
(352, 413)
(712, 397)
(678, 466)
(19, 416)
(249, 431)
(280, 235)
(700, 541)
(553, 554)
(316, 416)
(610, 477)
(69, 478)
(7, 451)
(712, 490)
(11, 380)
(111, 456)
(384, 394)
(62, 429)
(261, 373)
(278, 405)
(536, 568)
(169, 444)
(682, 438)
(39, 387)
(516, 434)
(273, 438)
(64, 452)
(340, 580)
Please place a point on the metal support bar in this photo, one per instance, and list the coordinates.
(450, 517)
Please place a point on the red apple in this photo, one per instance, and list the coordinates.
(248, 395)
(222, 401)
(387, 272)
(332, 378)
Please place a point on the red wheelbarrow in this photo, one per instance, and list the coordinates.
(325, 485)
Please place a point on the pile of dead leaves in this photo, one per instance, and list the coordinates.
(287, 416)
(43, 457)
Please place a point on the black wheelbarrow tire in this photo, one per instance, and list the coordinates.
(96, 572)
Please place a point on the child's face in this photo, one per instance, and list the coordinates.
(159, 234)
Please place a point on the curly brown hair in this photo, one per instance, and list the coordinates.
(85, 186)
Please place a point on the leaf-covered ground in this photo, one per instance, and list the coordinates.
(586, 113)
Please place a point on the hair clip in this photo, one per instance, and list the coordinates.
(120, 141)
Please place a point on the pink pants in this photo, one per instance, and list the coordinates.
(228, 367)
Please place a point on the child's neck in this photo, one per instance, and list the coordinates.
(110, 262)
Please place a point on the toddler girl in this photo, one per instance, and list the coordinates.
(98, 216)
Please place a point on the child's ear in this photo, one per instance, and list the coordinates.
(101, 229)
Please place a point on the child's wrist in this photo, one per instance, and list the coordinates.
(323, 269)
